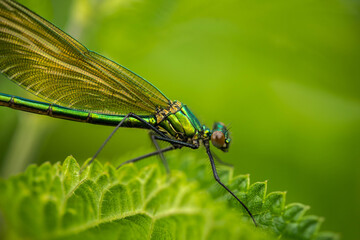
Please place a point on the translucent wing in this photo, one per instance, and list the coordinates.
(49, 63)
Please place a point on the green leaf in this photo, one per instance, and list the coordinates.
(55, 202)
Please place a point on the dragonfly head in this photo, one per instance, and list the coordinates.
(220, 136)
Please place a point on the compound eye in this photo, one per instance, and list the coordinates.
(218, 139)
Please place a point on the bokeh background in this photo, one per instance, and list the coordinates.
(284, 74)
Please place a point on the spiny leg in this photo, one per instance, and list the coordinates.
(116, 128)
(163, 160)
(216, 176)
(176, 144)
(148, 155)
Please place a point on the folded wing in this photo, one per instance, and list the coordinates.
(52, 65)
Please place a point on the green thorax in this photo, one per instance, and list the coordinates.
(179, 122)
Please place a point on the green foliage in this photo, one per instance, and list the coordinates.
(284, 73)
(55, 202)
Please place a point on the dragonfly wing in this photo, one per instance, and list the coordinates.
(44, 60)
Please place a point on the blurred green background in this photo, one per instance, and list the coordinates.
(284, 74)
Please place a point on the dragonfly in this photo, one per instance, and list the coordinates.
(81, 85)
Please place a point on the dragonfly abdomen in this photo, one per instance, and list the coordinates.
(57, 111)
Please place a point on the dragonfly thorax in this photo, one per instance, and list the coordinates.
(179, 122)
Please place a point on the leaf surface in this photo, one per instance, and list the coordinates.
(55, 202)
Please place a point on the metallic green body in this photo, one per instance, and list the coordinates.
(181, 125)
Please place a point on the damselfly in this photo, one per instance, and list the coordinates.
(81, 85)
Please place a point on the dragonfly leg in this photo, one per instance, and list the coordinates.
(176, 142)
(220, 161)
(175, 145)
(216, 176)
(165, 163)
(114, 131)
(148, 155)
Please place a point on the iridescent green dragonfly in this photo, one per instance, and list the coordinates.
(81, 85)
